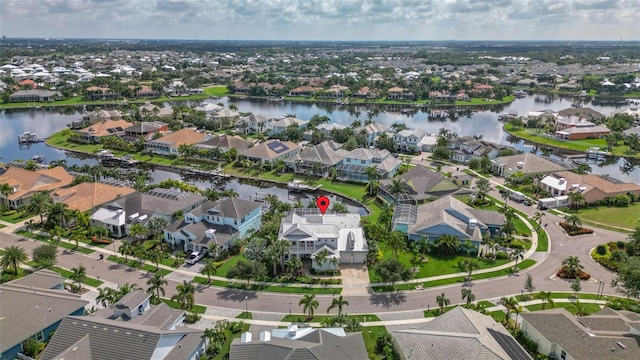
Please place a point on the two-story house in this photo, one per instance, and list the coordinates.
(280, 126)
(270, 151)
(93, 133)
(215, 222)
(372, 130)
(25, 183)
(408, 139)
(339, 236)
(254, 123)
(420, 185)
(120, 214)
(317, 160)
(355, 163)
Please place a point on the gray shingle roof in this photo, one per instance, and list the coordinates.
(25, 311)
(132, 300)
(80, 350)
(227, 142)
(41, 279)
(422, 183)
(150, 204)
(322, 153)
(533, 164)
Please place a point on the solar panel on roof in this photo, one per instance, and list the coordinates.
(168, 194)
(510, 346)
(277, 147)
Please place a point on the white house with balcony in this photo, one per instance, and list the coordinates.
(338, 238)
(408, 139)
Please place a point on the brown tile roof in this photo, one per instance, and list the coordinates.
(27, 182)
(86, 196)
(107, 127)
(183, 136)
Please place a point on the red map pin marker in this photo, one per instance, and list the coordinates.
(323, 204)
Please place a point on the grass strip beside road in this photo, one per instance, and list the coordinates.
(200, 309)
(269, 288)
(68, 273)
(136, 264)
(302, 318)
(62, 244)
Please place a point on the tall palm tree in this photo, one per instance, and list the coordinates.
(186, 294)
(156, 284)
(39, 204)
(293, 264)
(6, 190)
(468, 295)
(442, 302)
(125, 250)
(309, 304)
(156, 225)
(509, 303)
(338, 303)
(209, 269)
(577, 199)
(56, 213)
(517, 254)
(573, 221)
(397, 187)
(538, 217)
(12, 258)
(470, 265)
(572, 266)
(79, 275)
(395, 243)
(483, 187)
(321, 258)
(545, 297)
(137, 231)
(106, 296)
(77, 236)
(138, 251)
(156, 256)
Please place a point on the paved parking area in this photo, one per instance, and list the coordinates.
(355, 280)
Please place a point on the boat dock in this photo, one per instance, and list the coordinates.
(596, 153)
(29, 137)
(299, 185)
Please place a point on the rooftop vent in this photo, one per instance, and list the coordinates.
(473, 223)
(209, 233)
(520, 164)
(265, 336)
(561, 181)
(246, 337)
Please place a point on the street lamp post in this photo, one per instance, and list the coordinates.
(289, 309)
(246, 307)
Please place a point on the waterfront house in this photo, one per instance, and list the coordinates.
(446, 216)
(408, 139)
(25, 183)
(578, 128)
(420, 185)
(35, 96)
(101, 93)
(33, 307)
(280, 126)
(270, 151)
(355, 163)
(93, 133)
(120, 214)
(149, 109)
(458, 334)
(340, 236)
(169, 144)
(215, 222)
(87, 195)
(130, 329)
(593, 187)
(607, 334)
(466, 148)
(145, 129)
(304, 91)
(372, 130)
(225, 143)
(317, 160)
(334, 92)
(586, 113)
(253, 124)
(366, 92)
(296, 342)
(526, 163)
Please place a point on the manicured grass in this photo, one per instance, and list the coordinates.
(626, 217)
(245, 315)
(218, 91)
(68, 273)
(479, 101)
(535, 136)
(224, 351)
(369, 335)
(498, 315)
(62, 244)
(59, 141)
(134, 263)
(223, 270)
(319, 318)
(176, 305)
(240, 284)
(543, 240)
(486, 303)
(78, 100)
(590, 307)
(16, 218)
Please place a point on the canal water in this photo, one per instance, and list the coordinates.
(474, 122)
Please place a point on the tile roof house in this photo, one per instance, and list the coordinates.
(355, 163)
(446, 216)
(593, 187)
(146, 128)
(466, 148)
(169, 144)
(459, 334)
(87, 195)
(271, 150)
(372, 131)
(118, 215)
(317, 160)
(225, 143)
(253, 124)
(33, 306)
(93, 133)
(96, 116)
(128, 329)
(607, 334)
(25, 183)
(279, 126)
(310, 232)
(215, 222)
(35, 95)
(587, 113)
(300, 343)
(420, 185)
(527, 163)
(151, 109)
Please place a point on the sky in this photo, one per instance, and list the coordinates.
(343, 20)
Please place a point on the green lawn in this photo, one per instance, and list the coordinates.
(176, 305)
(240, 284)
(67, 273)
(486, 303)
(78, 100)
(369, 335)
(626, 217)
(134, 263)
(218, 91)
(16, 218)
(591, 308)
(224, 352)
(319, 318)
(223, 270)
(62, 244)
(245, 315)
(498, 315)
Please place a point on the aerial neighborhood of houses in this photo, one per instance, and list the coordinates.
(173, 223)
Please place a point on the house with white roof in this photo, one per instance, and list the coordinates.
(355, 163)
(372, 131)
(408, 139)
(339, 236)
(280, 126)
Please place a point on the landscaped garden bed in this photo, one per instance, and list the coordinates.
(573, 230)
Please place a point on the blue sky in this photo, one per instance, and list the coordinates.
(323, 19)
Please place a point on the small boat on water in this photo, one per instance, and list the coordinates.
(299, 185)
(28, 137)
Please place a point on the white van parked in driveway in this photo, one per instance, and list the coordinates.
(195, 257)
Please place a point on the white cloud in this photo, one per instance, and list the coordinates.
(323, 19)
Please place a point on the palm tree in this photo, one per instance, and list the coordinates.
(30, 226)
(580, 309)
(545, 297)
(56, 213)
(138, 251)
(77, 236)
(517, 254)
(339, 303)
(509, 303)
(6, 190)
(397, 187)
(125, 250)
(185, 295)
(573, 221)
(156, 225)
(576, 199)
(105, 296)
(156, 256)
(12, 258)
(483, 187)
(395, 243)
(321, 258)
(470, 265)
(39, 204)
(442, 302)
(137, 231)
(538, 217)
(156, 284)
(468, 295)
(79, 275)
(572, 266)
(293, 264)
(309, 304)
(209, 269)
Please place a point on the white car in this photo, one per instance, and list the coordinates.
(195, 257)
